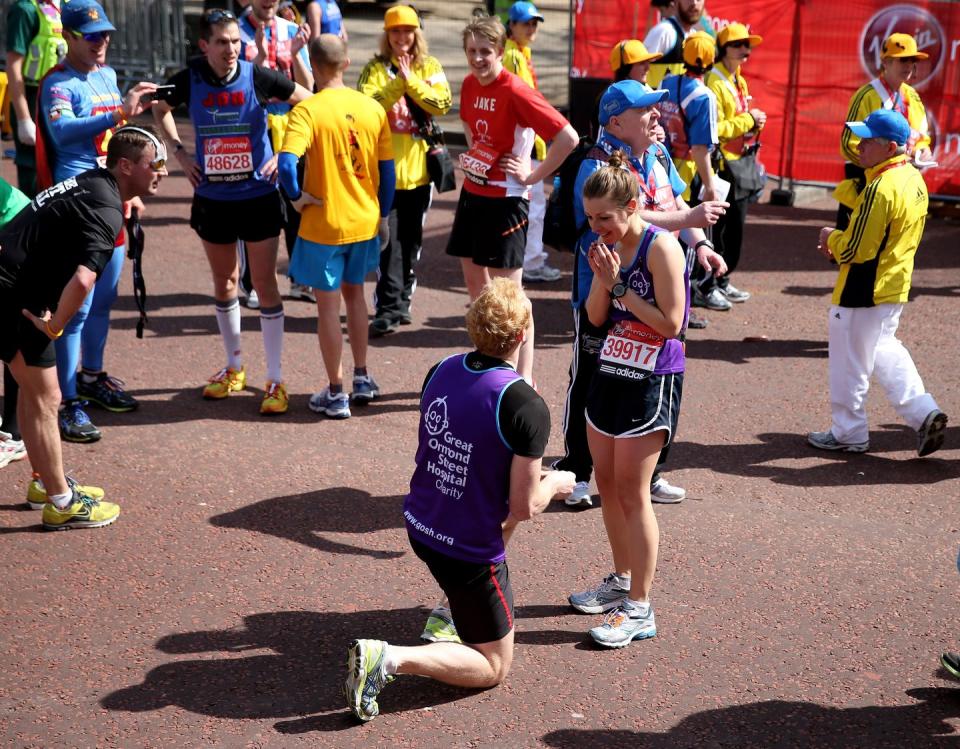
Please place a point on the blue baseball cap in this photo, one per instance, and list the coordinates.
(85, 17)
(628, 94)
(884, 123)
(523, 11)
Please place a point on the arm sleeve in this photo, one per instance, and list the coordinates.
(701, 115)
(861, 241)
(97, 236)
(730, 125)
(287, 167)
(432, 92)
(524, 420)
(271, 84)
(388, 183)
(860, 107)
(378, 85)
(57, 105)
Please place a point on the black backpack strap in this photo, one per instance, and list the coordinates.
(675, 54)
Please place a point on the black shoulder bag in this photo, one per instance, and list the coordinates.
(439, 161)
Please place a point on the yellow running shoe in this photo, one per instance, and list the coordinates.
(83, 512)
(275, 399)
(37, 493)
(224, 382)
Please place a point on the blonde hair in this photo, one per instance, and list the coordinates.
(419, 51)
(614, 181)
(486, 27)
(498, 317)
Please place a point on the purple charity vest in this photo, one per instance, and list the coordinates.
(460, 490)
(671, 358)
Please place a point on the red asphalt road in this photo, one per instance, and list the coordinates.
(803, 598)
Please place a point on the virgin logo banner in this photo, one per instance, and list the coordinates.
(815, 54)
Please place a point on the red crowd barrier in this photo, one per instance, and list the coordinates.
(815, 55)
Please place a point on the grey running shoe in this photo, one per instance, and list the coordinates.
(75, 425)
(607, 595)
(733, 294)
(543, 274)
(365, 677)
(711, 300)
(951, 662)
(625, 624)
(440, 626)
(931, 433)
(826, 441)
(334, 405)
(365, 389)
(665, 493)
(580, 497)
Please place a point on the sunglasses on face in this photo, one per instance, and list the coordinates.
(94, 38)
(742, 44)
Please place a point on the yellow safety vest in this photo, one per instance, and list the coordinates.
(47, 48)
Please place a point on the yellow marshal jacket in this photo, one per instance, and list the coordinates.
(735, 125)
(518, 60)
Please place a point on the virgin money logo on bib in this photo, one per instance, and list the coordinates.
(904, 19)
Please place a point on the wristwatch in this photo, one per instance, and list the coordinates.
(618, 290)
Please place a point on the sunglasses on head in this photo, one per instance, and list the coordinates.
(219, 15)
(742, 43)
(94, 38)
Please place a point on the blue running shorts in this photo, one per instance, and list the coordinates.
(326, 266)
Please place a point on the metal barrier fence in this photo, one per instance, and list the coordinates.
(150, 40)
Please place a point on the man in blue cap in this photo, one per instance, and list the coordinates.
(79, 107)
(876, 254)
(629, 118)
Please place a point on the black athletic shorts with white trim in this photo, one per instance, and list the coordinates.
(480, 596)
(226, 221)
(490, 231)
(620, 408)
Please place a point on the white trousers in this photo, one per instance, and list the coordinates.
(863, 342)
(534, 256)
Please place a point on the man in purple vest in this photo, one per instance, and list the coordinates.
(483, 431)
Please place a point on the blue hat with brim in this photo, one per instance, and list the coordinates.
(85, 17)
(628, 94)
(884, 123)
(521, 12)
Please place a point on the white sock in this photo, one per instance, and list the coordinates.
(62, 501)
(624, 581)
(271, 326)
(228, 320)
(389, 661)
(643, 606)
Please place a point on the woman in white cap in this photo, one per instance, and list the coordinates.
(412, 87)
(889, 90)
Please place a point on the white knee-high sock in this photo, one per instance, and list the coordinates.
(271, 325)
(228, 320)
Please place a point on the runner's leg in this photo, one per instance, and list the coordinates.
(224, 269)
(602, 448)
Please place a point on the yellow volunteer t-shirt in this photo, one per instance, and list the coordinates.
(343, 135)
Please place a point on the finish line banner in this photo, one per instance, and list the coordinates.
(815, 55)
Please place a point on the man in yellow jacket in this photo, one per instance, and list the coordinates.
(889, 90)
(875, 254)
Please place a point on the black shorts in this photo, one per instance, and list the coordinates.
(622, 408)
(17, 333)
(226, 221)
(481, 599)
(490, 231)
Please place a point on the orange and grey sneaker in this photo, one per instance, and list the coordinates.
(37, 493)
(224, 382)
(275, 399)
(82, 512)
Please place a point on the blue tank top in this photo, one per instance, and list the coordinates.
(232, 143)
(460, 490)
(638, 278)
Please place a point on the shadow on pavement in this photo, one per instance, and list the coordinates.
(832, 469)
(778, 723)
(915, 291)
(305, 518)
(301, 674)
(741, 352)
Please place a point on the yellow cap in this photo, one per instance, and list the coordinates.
(737, 32)
(699, 50)
(631, 51)
(901, 45)
(400, 15)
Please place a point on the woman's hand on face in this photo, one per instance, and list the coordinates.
(605, 264)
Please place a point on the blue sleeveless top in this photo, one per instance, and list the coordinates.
(232, 143)
(460, 490)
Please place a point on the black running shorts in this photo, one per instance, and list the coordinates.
(490, 231)
(226, 221)
(622, 408)
(17, 333)
(480, 596)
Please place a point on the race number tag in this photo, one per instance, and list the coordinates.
(477, 162)
(630, 350)
(228, 159)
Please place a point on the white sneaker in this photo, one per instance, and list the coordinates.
(304, 293)
(11, 450)
(665, 493)
(253, 300)
(580, 496)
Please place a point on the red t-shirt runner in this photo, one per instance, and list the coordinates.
(502, 118)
